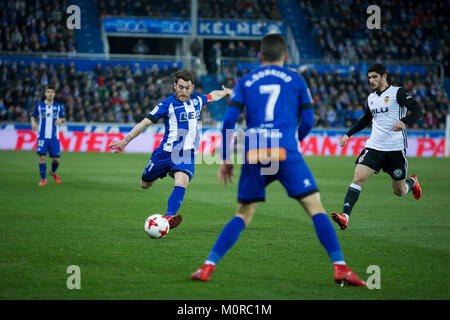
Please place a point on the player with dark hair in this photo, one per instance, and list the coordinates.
(386, 147)
(273, 98)
(51, 115)
(175, 155)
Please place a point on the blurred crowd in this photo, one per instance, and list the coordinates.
(35, 25)
(240, 9)
(143, 8)
(123, 93)
(126, 93)
(209, 9)
(340, 100)
(410, 30)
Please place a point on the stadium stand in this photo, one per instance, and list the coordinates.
(35, 25)
(125, 92)
(149, 8)
(412, 30)
(339, 99)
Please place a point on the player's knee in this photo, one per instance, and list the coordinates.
(246, 212)
(145, 184)
(399, 192)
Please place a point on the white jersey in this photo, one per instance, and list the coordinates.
(386, 111)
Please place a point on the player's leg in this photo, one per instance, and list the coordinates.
(43, 169)
(367, 163)
(42, 149)
(54, 150)
(55, 165)
(251, 190)
(157, 167)
(396, 166)
(181, 181)
(182, 171)
(327, 237)
(227, 238)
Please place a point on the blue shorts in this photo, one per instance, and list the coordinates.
(161, 164)
(293, 174)
(48, 145)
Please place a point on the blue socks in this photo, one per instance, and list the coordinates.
(226, 240)
(42, 170)
(231, 232)
(327, 237)
(54, 166)
(175, 200)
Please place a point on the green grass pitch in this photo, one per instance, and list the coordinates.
(95, 220)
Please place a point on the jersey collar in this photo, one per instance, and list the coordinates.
(379, 93)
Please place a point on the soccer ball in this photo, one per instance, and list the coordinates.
(156, 226)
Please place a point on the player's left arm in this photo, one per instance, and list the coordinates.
(61, 116)
(59, 121)
(405, 99)
(307, 120)
(219, 94)
(306, 111)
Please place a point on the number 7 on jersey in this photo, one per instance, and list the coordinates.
(274, 91)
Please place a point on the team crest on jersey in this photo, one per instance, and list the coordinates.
(386, 99)
(397, 173)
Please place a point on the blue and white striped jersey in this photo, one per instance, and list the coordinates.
(48, 114)
(181, 121)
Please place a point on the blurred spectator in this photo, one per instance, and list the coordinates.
(149, 8)
(113, 99)
(410, 30)
(36, 25)
(140, 47)
(340, 100)
(243, 9)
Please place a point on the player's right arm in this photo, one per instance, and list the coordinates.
(358, 126)
(158, 112)
(234, 110)
(33, 117)
(119, 145)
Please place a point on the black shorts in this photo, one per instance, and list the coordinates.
(392, 162)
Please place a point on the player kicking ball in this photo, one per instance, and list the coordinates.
(175, 155)
(51, 115)
(273, 97)
(386, 147)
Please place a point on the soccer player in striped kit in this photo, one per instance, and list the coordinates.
(386, 147)
(51, 115)
(175, 155)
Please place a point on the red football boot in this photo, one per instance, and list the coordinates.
(340, 219)
(55, 177)
(204, 273)
(344, 276)
(43, 183)
(416, 189)
(174, 220)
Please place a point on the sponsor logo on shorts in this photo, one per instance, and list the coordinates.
(397, 173)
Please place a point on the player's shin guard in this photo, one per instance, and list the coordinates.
(350, 198)
(43, 170)
(227, 238)
(327, 237)
(175, 200)
(409, 184)
(55, 165)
